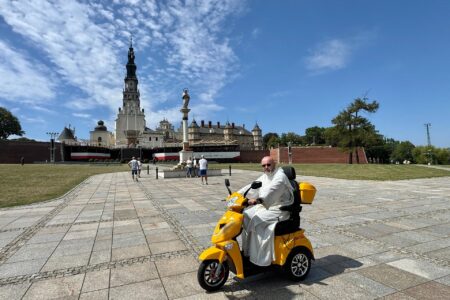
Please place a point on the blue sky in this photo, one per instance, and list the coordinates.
(287, 65)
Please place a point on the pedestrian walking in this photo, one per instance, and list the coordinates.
(189, 168)
(139, 167)
(203, 164)
(195, 166)
(133, 163)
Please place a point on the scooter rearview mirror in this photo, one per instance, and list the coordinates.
(227, 184)
(256, 185)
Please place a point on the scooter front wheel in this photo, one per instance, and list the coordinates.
(298, 264)
(210, 277)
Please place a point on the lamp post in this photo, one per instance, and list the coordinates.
(52, 145)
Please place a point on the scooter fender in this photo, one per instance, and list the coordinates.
(213, 253)
(223, 251)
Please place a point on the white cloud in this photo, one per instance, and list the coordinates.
(22, 78)
(84, 44)
(81, 115)
(330, 55)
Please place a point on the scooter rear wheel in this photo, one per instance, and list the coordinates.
(208, 278)
(298, 264)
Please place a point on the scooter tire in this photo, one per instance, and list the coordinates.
(204, 275)
(298, 264)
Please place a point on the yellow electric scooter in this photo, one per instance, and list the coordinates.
(293, 250)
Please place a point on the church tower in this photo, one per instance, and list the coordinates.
(130, 122)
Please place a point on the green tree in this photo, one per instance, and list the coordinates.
(353, 130)
(403, 151)
(315, 135)
(290, 137)
(423, 154)
(9, 124)
(270, 139)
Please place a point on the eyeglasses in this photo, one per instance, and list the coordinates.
(266, 165)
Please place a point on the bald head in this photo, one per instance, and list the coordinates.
(268, 164)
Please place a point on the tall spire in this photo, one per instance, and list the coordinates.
(131, 66)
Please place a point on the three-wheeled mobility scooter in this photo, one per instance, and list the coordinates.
(293, 250)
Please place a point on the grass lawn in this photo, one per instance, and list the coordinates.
(33, 183)
(354, 171)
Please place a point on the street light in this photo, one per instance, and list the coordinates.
(52, 145)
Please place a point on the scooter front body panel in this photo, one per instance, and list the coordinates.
(228, 250)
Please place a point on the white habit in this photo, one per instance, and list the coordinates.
(260, 220)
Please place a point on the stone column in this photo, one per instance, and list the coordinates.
(186, 152)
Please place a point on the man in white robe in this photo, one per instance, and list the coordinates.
(264, 212)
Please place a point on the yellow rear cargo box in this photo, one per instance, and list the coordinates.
(307, 192)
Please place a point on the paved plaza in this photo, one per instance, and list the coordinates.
(112, 238)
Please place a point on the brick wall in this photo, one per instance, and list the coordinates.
(311, 155)
(255, 156)
(12, 151)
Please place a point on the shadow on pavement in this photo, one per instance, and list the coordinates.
(274, 285)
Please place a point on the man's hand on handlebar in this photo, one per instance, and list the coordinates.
(254, 201)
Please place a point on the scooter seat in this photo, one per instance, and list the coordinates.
(286, 227)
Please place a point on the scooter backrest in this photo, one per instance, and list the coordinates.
(290, 172)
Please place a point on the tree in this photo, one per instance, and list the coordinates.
(290, 137)
(353, 130)
(403, 151)
(9, 124)
(315, 135)
(270, 139)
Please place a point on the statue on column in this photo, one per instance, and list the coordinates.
(186, 98)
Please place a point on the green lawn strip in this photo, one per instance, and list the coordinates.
(31, 183)
(354, 171)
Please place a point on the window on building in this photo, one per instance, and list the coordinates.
(156, 138)
(149, 139)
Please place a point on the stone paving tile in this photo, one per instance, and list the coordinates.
(96, 280)
(22, 267)
(444, 280)
(181, 285)
(167, 246)
(337, 287)
(210, 296)
(63, 262)
(398, 296)
(443, 254)
(392, 277)
(163, 235)
(421, 268)
(56, 288)
(132, 274)
(176, 266)
(152, 289)
(98, 257)
(95, 295)
(14, 291)
(129, 252)
(430, 290)
(373, 287)
(33, 251)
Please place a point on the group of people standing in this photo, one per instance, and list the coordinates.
(197, 168)
(194, 167)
